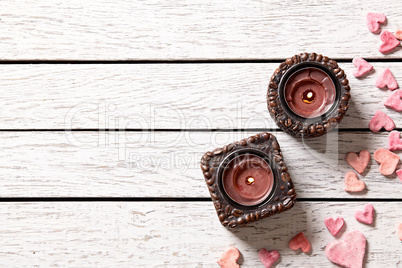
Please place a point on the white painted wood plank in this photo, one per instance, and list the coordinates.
(140, 234)
(161, 96)
(120, 30)
(166, 164)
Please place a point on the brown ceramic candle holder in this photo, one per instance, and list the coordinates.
(308, 95)
(248, 180)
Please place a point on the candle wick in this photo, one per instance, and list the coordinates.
(308, 96)
(250, 180)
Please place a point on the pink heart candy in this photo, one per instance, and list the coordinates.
(363, 67)
(229, 258)
(399, 173)
(394, 142)
(389, 42)
(358, 162)
(352, 183)
(334, 226)
(365, 215)
(349, 252)
(268, 258)
(374, 20)
(386, 79)
(300, 241)
(398, 34)
(400, 231)
(381, 120)
(394, 101)
(387, 160)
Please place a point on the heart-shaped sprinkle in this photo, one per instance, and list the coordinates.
(365, 215)
(229, 258)
(387, 160)
(358, 161)
(386, 79)
(394, 142)
(399, 173)
(352, 183)
(398, 34)
(334, 226)
(400, 231)
(394, 101)
(389, 42)
(381, 120)
(374, 20)
(300, 241)
(268, 258)
(349, 252)
(363, 67)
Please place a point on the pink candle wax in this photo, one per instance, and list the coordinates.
(309, 92)
(248, 179)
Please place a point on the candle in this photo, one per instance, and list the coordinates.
(308, 95)
(248, 179)
(309, 92)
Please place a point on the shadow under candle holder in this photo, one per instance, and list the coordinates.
(275, 232)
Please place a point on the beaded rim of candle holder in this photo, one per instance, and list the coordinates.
(294, 124)
(232, 214)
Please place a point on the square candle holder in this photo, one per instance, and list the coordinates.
(248, 180)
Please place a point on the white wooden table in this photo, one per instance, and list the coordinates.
(107, 107)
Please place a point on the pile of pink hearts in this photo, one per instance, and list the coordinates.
(388, 161)
(385, 80)
(351, 250)
(389, 40)
(348, 252)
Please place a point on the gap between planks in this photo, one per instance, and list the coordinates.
(177, 199)
(257, 130)
(184, 61)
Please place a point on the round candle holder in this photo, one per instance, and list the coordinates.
(248, 180)
(308, 95)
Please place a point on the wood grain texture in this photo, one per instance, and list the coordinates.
(166, 164)
(175, 96)
(121, 234)
(121, 30)
(161, 96)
